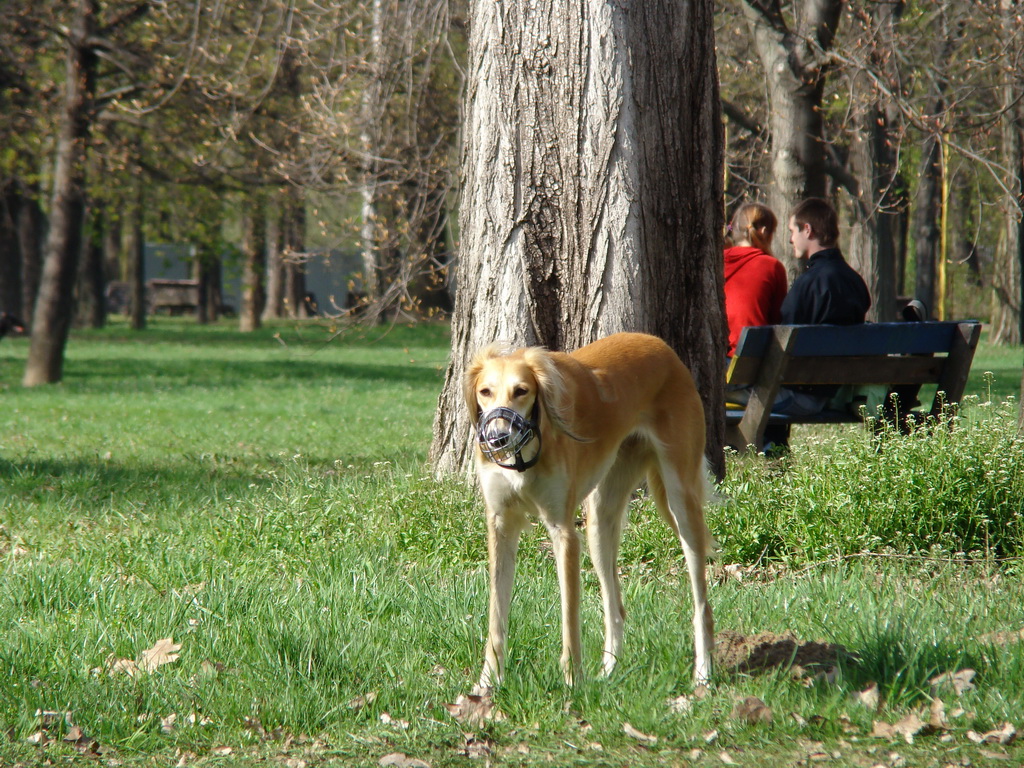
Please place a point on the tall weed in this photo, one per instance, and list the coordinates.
(941, 490)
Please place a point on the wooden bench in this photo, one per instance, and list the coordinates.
(905, 355)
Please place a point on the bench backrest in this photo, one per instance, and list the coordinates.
(872, 353)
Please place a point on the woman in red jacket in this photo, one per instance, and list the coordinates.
(755, 281)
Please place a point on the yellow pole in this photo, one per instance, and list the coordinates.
(943, 230)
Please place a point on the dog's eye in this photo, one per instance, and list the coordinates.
(520, 392)
(485, 392)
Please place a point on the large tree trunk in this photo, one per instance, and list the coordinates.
(592, 187)
(51, 320)
(793, 57)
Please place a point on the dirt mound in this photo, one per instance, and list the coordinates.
(767, 650)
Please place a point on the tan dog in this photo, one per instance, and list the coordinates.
(557, 430)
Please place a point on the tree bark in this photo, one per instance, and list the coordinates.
(253, 243)
(592, 187)
(295, 257)
(874, 161)
(792, 54)
(136, 252)
(92, 282)
(10, 252)
(51, 320)
(1008, 275)
(926, 222)
(31, 226)
(274, 306)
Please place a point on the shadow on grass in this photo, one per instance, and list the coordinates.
(112, 374)
(85, 486)
(309, 336)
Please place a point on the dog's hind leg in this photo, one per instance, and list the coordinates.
(606, 512)
(503, 531)
(680, 500)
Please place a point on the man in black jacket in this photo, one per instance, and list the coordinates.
(829, 291)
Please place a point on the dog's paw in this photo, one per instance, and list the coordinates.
(608, 664)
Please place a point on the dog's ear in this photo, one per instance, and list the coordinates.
(472, 373)
(551, 389)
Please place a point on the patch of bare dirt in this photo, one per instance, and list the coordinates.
(767, 650)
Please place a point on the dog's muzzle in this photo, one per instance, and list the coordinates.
(503, 433)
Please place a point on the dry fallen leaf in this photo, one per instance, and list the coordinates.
(907, 728)
(1002, 638)
(643, 738)
(726, 758)
(77, 738)
(1006, 734)
(164, 652)
(476, 747)
(387, 719)
(752, 710)
(937, 715)
(399, 760)
(961, 681)
(361, 701)
(680, 705)
(474, 710)
(869, 697)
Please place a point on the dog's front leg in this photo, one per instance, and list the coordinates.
(503, 530)
(566, 544)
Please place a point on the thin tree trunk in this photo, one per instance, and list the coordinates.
(872, 250)
(31, 226)
(275, 265)
(136, 252)
(1008, 275)
(568, 235)
(252, 275)
(214, 275)
(113, 265)
(92, 283)
(295, 258)
(370, 232)
(200, 274)
(10, 252)
(926, 222)
(51, 320)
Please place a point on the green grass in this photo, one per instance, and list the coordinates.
(251, 497)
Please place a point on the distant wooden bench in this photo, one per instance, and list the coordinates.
(176, 297)
(907, 355)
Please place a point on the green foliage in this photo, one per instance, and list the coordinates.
(947, 489)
